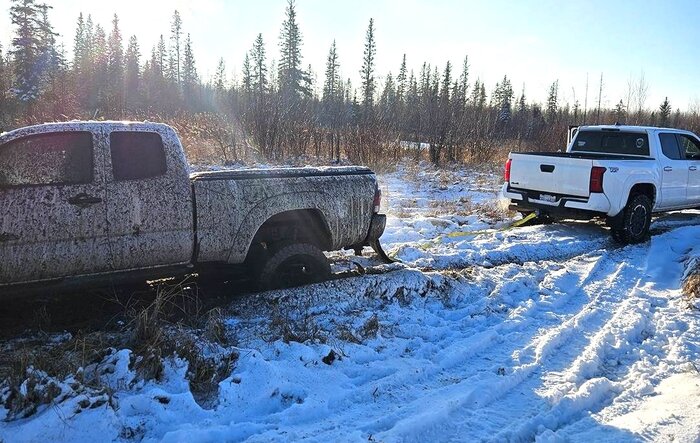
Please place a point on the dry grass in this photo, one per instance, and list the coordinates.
(691, 282)
(40, 371)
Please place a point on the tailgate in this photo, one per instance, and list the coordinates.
(556, 175)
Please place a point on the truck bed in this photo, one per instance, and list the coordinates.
(586, 155)
(242, 174)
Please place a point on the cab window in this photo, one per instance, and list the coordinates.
(690, 147)
(670, 147)
(136, 155)
(57, 158)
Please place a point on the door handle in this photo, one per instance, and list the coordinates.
(693, 168)
(668, 168)
(6, 236)
(84, 200)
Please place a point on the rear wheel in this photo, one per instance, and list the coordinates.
(293, 264)
(636, 220)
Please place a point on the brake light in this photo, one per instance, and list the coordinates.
(377, 199)
(506, 174)
(596, 183)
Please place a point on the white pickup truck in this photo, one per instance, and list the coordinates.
(621, 173)
(117, 200)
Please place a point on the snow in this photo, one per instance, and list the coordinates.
(547, 333)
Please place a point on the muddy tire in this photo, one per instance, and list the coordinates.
(636, 220)
(293, 264)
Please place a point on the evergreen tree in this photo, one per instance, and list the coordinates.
(132, 75)
(259, 66)
(664, 112)
(161, 55)
(247, 75)
(367, 71)
(50, 59)
(401, 82)
(503, 98)
(189, 71)
(115, 67)
(98, 99)
(4, 111)
(175, 43)
(27, 49)
(220, 77)
(293, 81)
(620, 112)
(552, 102)
(522, 101)
(332, 83)
(387, 101)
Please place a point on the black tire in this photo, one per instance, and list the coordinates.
(293, 264)
(636, 220)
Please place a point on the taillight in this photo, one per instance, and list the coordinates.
(596, 183)
(506, 174)
(377, 199)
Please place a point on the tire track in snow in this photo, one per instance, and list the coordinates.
(582, 307)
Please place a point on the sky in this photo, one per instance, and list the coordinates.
(534, 43)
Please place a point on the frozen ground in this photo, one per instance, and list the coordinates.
(546, 333)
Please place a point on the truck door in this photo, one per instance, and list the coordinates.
(674, 172)
(149, 200)
(690, 149)
(52, 198)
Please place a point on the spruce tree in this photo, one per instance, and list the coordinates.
(132, 74)
(552, 102)
(175, 43)
(367, 71)
(115, 68)
(27, 50)
(664, 112)
(332, 81)
(189, 71)
(401, 82)
(259, 80)
(293, 81)
(620, 112)
(220, 77)
(99, 100)
(247, 75)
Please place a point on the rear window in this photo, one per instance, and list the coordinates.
(612, 142)
(136, 155)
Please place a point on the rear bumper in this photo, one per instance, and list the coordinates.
(376, 228)
(563, 205)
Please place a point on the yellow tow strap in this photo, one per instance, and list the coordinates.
(515, 224)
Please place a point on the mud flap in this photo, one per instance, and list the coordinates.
(380, 252)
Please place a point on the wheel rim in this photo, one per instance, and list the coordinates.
(638, 220)
(296, 271)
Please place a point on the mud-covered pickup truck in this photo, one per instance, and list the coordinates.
(620, 173)
(113, 200)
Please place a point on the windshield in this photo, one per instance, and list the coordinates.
(609, 142)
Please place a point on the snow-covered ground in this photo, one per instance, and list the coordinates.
(543, 333)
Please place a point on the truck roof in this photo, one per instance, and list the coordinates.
(83, 124)
(628, 128)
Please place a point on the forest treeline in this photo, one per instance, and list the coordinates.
(278, 110)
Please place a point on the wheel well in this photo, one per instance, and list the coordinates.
(301, 225)
(647, 189)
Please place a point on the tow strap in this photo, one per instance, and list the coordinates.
(386, 259)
